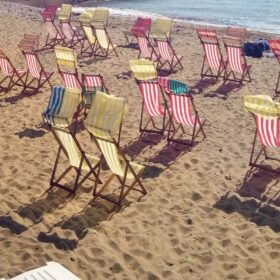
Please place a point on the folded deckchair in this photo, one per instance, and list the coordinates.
(91, 84)
(65, 12)
(12, 75)
(99, 18)
(237, 32)
(141, 27)
(104, 123)
(51, 271)
(161, 29)
(90, 38)
(168, 56)
(236, 64)
(146, 49)
(104, 41)
(36, 71)
(212, 54)
(266, 113)
(181, 105)
(143, 69)
(275, 47)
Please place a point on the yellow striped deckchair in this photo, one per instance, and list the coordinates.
(105, 42)
(78, 160)
(65, 12)
(65, 57)
(143, 69)
(99, 18)
(162, 28)
(104, 122)
(86, 16)
(93, 45)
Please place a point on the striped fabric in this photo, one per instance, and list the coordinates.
(151, 92)
(144, 47)
(275, 47)
(235, 59)
(100, 17)
(173, 86)
(213, 55)
(64, 12)
(5, 66)
(54, 104)
(141, 26)
(165, 50)
(92, 81)
(268, 130)
(65, 57)
(102, 39)
(105, 115)
(162, 28)
(262, 105)
(206, 34)
(143, 69)
(70, 80)
(32, 65)
(88, 31)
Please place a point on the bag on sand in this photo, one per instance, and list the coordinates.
(252, 49)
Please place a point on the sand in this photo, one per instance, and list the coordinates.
(202, 217)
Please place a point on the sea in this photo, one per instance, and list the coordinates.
(253, 14)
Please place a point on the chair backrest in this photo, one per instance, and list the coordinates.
(173, 86)
(71, 80)
(206, 34)
(144, 45)
(102, 38)
(33, 64)
(86, 16)
(65, 58)
(143, 69)
(100, 18)
(275, 47)
(151, 93)
(5, 64)
(162, 28)
(141, 26)
(235, 56)
(55, 101)
(165, 50)
(92, 82)
(237, 32)
(49, 13)
(65, 12)
(89, 33)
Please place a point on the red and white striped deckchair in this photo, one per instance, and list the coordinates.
(71, 80)
(146, 50)
(168, 55)
(267, 130)
(212, 54)
(275, 47)
(181, 107)
(152, 97)
(236, 62)
(11, 74)
(37, 72)
(71, 36)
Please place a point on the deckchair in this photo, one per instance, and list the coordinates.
(181, 105)
(12, 75)
(212, 54)
(99, 18)
(266, 114)
(29, 42)
(141, 27)
(104, 41)
(236, 62)
(37, 72)
(65, 12)
(104, 123)
(146, 49)
(91, 84)
(86, 16)
(93, 46)
(51, 271)
(49, 12)
(168, 56)
(275, 47)
(237, 32)
(67, 66)
(162, 28)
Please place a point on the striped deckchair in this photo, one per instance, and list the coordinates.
(143, 69)
(275, 47)
(212, 54)
(146, 49)
(93, 46)
(104, 42)
(236, 62)
(100, 17)
(168, 55)
(65, 12)
(91, 84)
(50, 271)
(79, 161)
(12, 75)
(141, 27)
(36, 71)
(181, 105)
(104, 123)
(161, 29)
(266, 114)
(237, 32)
(49, 12)
(86, 16)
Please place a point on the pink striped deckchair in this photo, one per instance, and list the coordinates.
(275, 47)
(146, 49)
(236, 62)
(152, 95)
(70, 80)
(212, 54)
(181, 107)
(71, 35)
(168, 55)
(236, 32)
(11, 74)
(37, 72)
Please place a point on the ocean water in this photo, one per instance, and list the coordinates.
(252, 14)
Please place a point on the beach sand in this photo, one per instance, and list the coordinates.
(201, 219)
